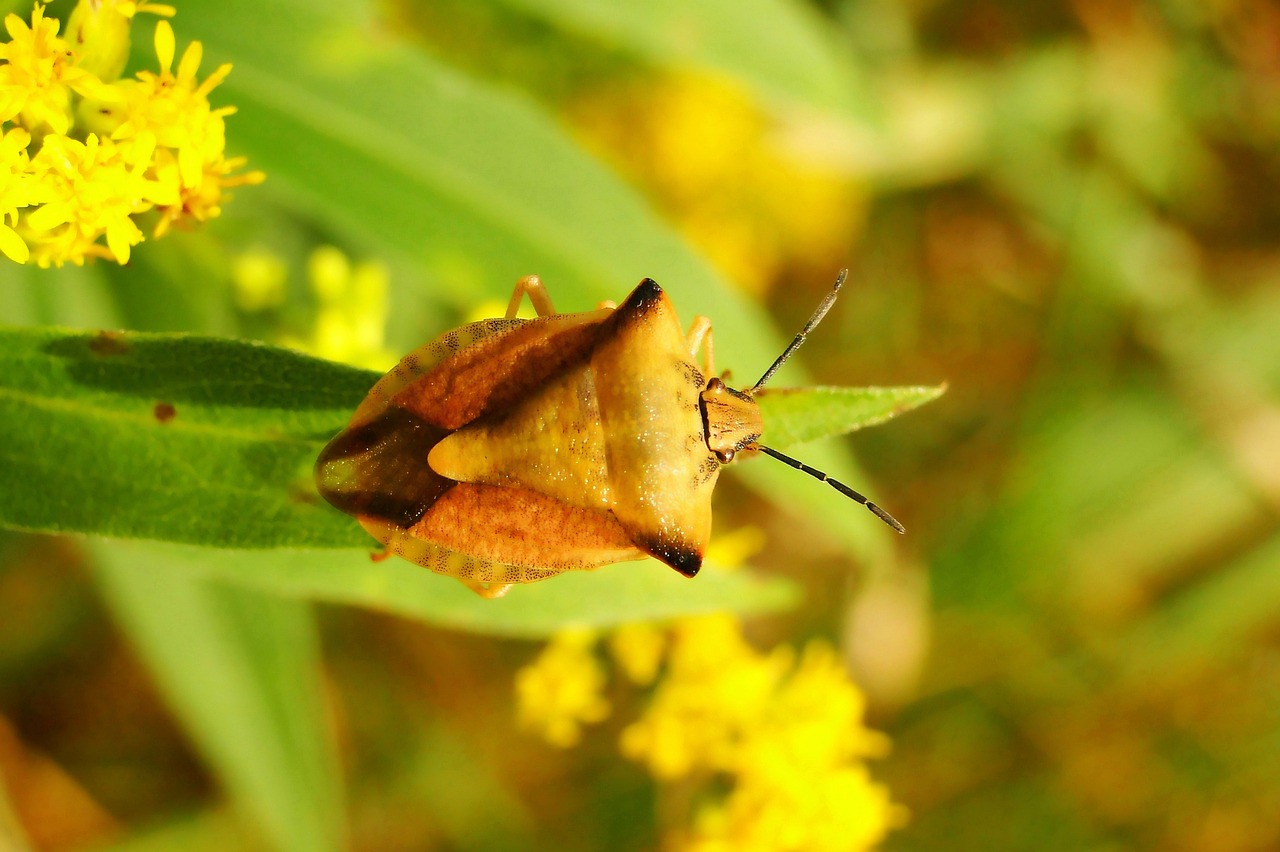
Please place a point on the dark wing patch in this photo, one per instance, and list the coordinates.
(379, 469)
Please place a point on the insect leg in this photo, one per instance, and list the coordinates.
(531, 286)
(487, 590)
(700, 338)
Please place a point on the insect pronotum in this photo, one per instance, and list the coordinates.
(508, 450)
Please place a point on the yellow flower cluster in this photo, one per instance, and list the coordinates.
(758, 193)
(785, 737)
(84, 154)
(560, 691)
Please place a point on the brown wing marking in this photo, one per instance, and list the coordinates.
(536, 535)
(492, 374)
(379, 468)
(425, 357)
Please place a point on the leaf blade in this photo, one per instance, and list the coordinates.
(614, 594)
(798, 415)
(253, 704)
(227, 462)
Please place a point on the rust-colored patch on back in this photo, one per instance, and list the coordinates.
(164, 412)
(493, 374)
(516, 526)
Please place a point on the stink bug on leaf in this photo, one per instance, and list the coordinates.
(509, 450)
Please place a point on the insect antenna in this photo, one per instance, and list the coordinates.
(834, 483)
(804, 332)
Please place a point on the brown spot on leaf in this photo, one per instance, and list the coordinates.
(106, 343)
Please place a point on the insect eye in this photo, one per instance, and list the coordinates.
(724, 456)
(716, 385)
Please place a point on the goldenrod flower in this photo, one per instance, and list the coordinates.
(561, 690)
(716, 685)
(99, 29)
(842, 810)
(258, 280)
(352, 312)
(190, 133)
(86, 174)
(89, 189)
(39, 75)
(16, 191)
(638, 649)
(757, 192)
(784, 738)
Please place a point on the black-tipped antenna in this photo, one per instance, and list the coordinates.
(804, 332)
(834, 483)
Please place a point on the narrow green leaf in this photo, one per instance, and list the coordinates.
(780, 48)
(614, 594)
(473, 186)
(171, 437)
(796, 415)
(242, 670)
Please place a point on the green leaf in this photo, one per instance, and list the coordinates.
(796, 415)
(614, 594)
(242, 670)
(170, 437)
(473, 186)
(780, 48)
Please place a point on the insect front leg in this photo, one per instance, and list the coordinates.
(531, 286)
(700, 337)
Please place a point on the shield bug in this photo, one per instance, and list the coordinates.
(508, 450)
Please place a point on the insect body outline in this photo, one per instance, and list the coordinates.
(508, 450)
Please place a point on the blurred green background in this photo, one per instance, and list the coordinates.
(1069, 212)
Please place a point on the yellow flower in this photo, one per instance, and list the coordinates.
(39, 75)
(758, 192)
(100, 31)
(561, 690)
(638, 648)
(353, 308)
(16, 191)
(153, 143)
(258, 278)
(787, 736)
(191, 135)
(715, 686)
(87, 190)
(842, 810)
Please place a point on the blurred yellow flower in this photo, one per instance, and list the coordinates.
(561, 690)
(841, 810)
(81, 175)
(258, 280)
(741, 183)
(788, 736)
(715, 686)
(352, 313)
(637, 649)
(773, 747)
